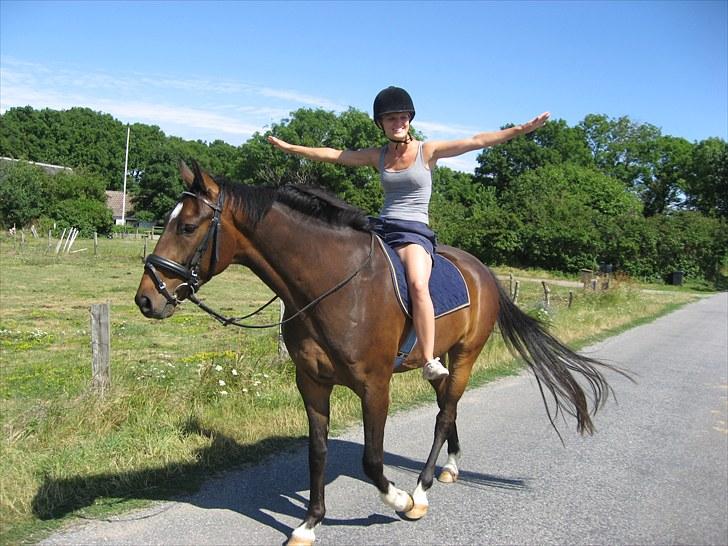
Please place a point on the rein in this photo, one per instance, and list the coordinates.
(192, 281)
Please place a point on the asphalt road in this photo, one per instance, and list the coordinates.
(655, 472)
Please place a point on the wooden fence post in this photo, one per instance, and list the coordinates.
(510, 284)
(515, 291)
(546, 294)
(571, 298)
(60, 241)
(100, 347)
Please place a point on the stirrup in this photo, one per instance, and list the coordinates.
(434, 370)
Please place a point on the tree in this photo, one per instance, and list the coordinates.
(648, 164)
(86, 215)
(23, 193)
(159, 185)
(663, 189)
(706, 187)
(554, 143)
(561, 213)
(260, 163)
(76, 138)
(28, 194)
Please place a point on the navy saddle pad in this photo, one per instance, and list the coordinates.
(447, 285)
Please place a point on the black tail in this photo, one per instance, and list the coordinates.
(552, 363)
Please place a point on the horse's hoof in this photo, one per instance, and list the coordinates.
(418, 511)
(410, 504)
(447, 476)
(299, 541)
(302, 537)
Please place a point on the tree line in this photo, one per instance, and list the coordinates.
(607, 190)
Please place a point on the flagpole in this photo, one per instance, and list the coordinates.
(126, 166)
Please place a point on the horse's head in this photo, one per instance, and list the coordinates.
(190, 251)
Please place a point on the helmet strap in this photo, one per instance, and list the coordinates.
(407, 139)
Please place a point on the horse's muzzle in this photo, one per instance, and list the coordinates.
(152, 305)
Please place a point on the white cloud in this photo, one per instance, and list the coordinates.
(435, 130)
(297, 97)
(224, 109)
(465, 163)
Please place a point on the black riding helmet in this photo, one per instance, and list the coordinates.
(393, 99)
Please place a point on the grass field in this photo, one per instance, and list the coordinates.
(188, 397)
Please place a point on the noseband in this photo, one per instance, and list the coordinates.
(190, 273)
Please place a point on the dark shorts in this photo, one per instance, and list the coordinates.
(404, 232)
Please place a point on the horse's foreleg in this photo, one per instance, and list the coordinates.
(375, 405)
(450, 472)
(316, 398)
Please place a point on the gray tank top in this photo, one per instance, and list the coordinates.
(407, 192)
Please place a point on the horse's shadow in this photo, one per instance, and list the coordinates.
(274, 488)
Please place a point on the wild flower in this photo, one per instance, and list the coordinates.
(234, 372)
(218, 368)
(224, 393)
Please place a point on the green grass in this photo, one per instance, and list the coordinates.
(188, 397)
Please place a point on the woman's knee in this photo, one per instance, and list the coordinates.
(419, 288)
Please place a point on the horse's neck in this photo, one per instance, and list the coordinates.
(300, 259)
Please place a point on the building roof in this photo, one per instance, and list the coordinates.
(47, 167)
(114, 202)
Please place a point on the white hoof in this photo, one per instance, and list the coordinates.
(397, 499)
(450, 472)
(302, 536)
(448, 475)
(421, 504)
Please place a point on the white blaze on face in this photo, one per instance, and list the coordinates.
(175, 212)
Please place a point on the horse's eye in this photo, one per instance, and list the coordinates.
(189, 228)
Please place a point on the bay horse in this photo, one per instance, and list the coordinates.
(343, 325)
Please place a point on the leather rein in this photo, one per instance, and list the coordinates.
(191, 273)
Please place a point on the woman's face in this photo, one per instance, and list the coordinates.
(396, 125)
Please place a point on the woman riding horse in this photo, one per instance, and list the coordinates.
(405, 168)
(299, 241)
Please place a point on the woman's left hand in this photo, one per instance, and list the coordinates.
(535, 123)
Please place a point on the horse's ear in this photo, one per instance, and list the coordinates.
(204, 183)
(187, 175)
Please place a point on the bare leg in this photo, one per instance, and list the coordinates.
(418, 267)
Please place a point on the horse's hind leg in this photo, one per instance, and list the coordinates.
(375, 405)
(316, 398)
(449, 391)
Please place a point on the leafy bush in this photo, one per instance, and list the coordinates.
(30, 195)
(87, 215)
(23, 193)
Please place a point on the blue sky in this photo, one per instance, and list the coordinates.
(222, 70)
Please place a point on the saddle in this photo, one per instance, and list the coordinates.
(448, 291)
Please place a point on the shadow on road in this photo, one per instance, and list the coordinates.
(273, 489)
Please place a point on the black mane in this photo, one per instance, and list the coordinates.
(310, 201)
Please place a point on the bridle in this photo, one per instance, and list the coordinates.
(191, 273)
